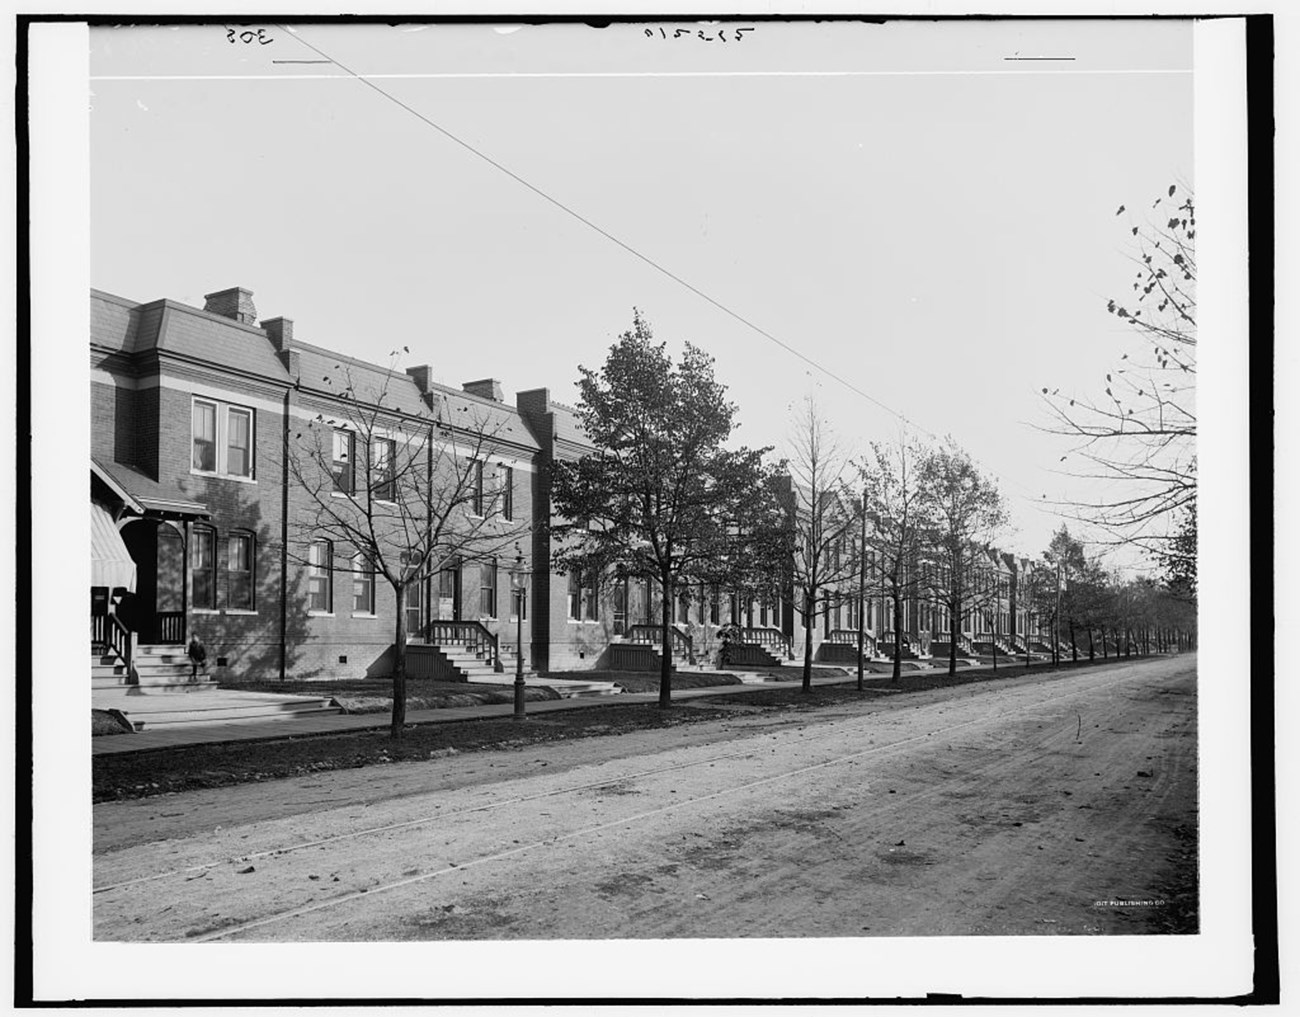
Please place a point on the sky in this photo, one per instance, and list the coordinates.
(927, 210)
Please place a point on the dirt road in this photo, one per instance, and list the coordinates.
(1047, 806)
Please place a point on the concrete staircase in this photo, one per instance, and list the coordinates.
(164, 691)
(159, 667)
(146, 709)
(466, 664)
(473, 668)
(750, 655)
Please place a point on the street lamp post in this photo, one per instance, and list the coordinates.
(519, 586)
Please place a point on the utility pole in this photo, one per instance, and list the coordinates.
(862, 589)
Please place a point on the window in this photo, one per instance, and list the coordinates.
(476, 487)
(508, 493)
(363, 585)
(344, 466)
(239, 442)
(715, 607)
(239, 572)
(203, 568)
(620, 607)
(487, 590)
(320, 577)
(683, 608)
(204, 430)
(221, 439)
(582, 596)
(447, 584)
(383, 460)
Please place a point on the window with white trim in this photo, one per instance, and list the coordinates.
(343, 466)
(239, 571)
(363, 585)
(320, 577)
(476, 492)
(203, 568)
(221, 439)
(508, 492)
(383, 463)
(487, 591)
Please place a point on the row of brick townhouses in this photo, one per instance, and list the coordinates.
(198, 521)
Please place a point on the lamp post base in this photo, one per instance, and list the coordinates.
(519, 697)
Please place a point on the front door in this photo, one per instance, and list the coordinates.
(414, 608)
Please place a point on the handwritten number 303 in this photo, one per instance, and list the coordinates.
(248, 36)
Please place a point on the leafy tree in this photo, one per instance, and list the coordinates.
(1178, 557)
(965, 511)
(1137, 444)
(823, 522)
(1052, 586)
(397, 491)
(660, 497)
(896, 508)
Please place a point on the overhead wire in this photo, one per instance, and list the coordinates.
(646, 259)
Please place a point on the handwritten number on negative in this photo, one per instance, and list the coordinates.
(248, 36)
(701, 34)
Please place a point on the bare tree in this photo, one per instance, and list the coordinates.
(1136, 446)
(399, 490)
(823, 521)
(896, 512)
(966, 511)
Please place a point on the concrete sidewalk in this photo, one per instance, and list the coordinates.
(295, 727)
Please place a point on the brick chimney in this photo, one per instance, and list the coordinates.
(485, 388)
(233, 303)
(422, 376)
(280, 332)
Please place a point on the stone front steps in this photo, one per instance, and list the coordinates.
(152, 709)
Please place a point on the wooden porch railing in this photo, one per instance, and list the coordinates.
(682, 642)
(108, 634)
(471, 634)
(171, 627)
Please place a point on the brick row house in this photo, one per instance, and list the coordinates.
(204, 522)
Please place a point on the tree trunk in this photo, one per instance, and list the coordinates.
(995, 640)
(666, 645)
(1092, 649)
(399, 667)
(1074, 648)
(809, 620)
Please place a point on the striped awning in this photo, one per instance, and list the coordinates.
(111, 564)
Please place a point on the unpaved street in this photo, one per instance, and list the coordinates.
(1017, 807)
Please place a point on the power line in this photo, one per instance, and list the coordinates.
(366, 80)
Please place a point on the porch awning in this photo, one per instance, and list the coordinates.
(144, 495)
(111, 564)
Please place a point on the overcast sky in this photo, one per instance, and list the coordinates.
(933, 222)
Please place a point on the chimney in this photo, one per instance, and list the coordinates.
(233, 303)
(535, 401)
(486, 388)
(422, 376)
(280, 332)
